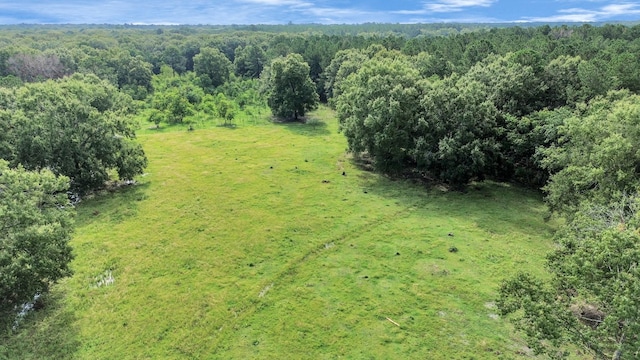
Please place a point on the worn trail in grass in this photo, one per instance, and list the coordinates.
(251, 243)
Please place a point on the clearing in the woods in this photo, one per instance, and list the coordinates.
(266, 241)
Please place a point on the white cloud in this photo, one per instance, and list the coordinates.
(603, 13)
(562, 18)
(446, 6)
(293, 3)
(620, 9)
(333, 13)
(455, 19)
(146, 12)
(456, 5)
(297, 11)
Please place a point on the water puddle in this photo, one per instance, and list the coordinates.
(104, 279)
(24, 310)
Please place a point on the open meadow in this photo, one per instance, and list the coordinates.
(267, 241)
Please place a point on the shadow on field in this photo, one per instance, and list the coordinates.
(47, 333)
(230, 126)
(165, 129)
(495, 207)
(310, 128)
(116, 204)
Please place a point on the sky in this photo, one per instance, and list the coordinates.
(313, 11)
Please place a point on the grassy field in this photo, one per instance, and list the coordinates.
(249, 242)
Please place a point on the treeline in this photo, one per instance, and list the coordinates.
(478, 103)
(78, 127)
(501, 119)
(53, 52)
(481, 103)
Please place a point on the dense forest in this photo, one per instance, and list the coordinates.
(549, 107)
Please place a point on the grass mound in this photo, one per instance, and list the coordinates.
(266, 241)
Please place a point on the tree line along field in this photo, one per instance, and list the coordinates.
(386, 191)
(250, 243)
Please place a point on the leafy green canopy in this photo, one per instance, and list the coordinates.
(249, 61)
(78, 127)
(212, 67)
(35, 228)
(343, 64)
(447, 128)
(491, 121)
(596, 156)
(593, 297)
(290, 90)
(377, 109)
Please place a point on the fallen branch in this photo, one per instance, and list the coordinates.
(393, 322)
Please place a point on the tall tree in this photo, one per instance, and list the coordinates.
(596, 154)
(592, 298)
(172, 57)
(212, 67)
(595, 80)
(624, 67)
(378, 109)
(458, 132)
(80, 127)
(249, 61)
(344, 63)
(514, 88)
(134, 76)
(291, 93)
(561, 76)
(36, 226)
(521, 141)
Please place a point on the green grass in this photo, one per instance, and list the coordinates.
(248, 242)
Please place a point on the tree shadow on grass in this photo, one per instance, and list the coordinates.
(118, 204)
(230, 126)
(494, 206)
(47, 333)
(309, 127)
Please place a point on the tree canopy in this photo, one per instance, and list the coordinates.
(447, 128)
(249, 61)
(212, 67)
(595, 157)
(376, 109)
(79, 126)
(36, 224)
(290, 91)
(593, 297)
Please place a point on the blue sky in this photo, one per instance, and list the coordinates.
(313, 11)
